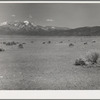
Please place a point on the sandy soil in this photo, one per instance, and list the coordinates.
(47, 66)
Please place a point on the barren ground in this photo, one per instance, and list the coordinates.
(46, 66)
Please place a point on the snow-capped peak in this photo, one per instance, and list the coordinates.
(26, 22)
(4, 23)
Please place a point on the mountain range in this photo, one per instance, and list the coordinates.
(28, 28)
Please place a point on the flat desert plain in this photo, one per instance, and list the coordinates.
(47, 63)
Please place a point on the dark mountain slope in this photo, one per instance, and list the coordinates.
(28, 28)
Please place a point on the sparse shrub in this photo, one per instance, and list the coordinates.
(49, 42)
(71, 44)
(61, 41)
(92, 57)
(20, 46)
(93, 41)
(85, 43)
(23, 43)
(43, 42)
(4, 42)
(1, 49)
(32, 41)
(80, 61)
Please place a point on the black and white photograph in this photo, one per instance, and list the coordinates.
(49, 46)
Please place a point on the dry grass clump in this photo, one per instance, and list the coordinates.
(20, 46)
(91, 58)
(79, 61)
(1, 49)
(71, 44)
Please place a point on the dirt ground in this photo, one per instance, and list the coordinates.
(41, 65)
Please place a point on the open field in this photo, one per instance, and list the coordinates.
(47, 66)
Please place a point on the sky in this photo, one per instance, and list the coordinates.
(51, 14)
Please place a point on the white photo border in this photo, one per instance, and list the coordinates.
(49, 94)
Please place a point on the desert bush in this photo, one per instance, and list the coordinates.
(1, 49)
(32, 41)
(20, 46)
(71, 44)
(61, 41)
(85, 43)
(91, 58)
(43, 43)
(80, 61)
(93, 41)
(49, 42)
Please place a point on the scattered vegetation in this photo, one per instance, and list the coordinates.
(10, 43)
(79, 62)
(85, 43)
(91, 58)
(71, 44)
(4, 42)
(1, 49)
(32, 41)
(93, 41)
(49, 42)
(20, 46)
(61, 41)
(24, 43)
(43, 43)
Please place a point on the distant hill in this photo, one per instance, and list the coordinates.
(28, 28)
(84, 31)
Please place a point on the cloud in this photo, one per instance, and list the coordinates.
(13, 15)
(49, 20)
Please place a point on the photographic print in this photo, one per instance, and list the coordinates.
(49, 46)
